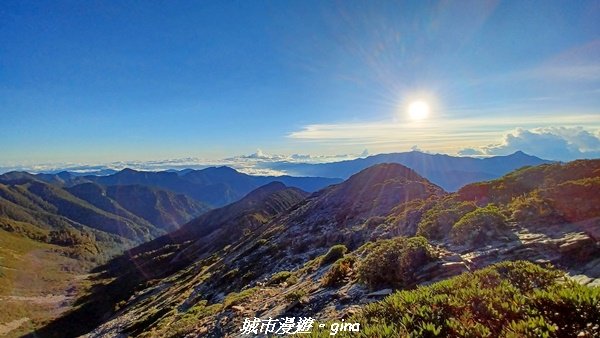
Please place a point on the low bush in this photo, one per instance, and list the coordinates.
(335, 252)
(480, 226)
(295, 296)
(508, 299)
(236, 298)
(437, 222)
(338, 271)
(532, 209)
(186, 322)
(279, 277)
(393, 262)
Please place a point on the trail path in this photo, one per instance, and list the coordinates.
(8, 327)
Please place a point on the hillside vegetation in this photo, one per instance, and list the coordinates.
(475, 263)
(51, 236)
(510, 299)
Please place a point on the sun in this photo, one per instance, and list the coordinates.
(418, 110)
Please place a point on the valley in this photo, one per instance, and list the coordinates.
(56, 228)
(38, 282)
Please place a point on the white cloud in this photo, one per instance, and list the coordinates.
(470, 152)
(439, 134)
(258, 163)
(553, 143)
(462, 137)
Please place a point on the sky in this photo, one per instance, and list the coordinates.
(106, 81)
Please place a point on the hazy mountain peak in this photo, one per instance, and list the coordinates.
(269, 188)
(384, 171)
(521, 154)
(223, 168)
(126, 172)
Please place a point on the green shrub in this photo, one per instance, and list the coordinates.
(508, 299)
(335, 252)
(479, 226)
(185, 323)
(279, 277)
(230, 274)
(393, 262)
(338, 271)
(572, 308)
(437, 222)
(532, 209)
(295, 296)
(374, 222)
(576, 200)
(236, 298)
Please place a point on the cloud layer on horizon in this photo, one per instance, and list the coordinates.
(258, 163)
(552, 143)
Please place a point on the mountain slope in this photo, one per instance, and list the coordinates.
(51, 235)
(203, 281)
(161, 208)
(446, 171)
(215, 229)
(117, 215)
(342, 211)
(39, 196)
(169, 254)
(214, 186)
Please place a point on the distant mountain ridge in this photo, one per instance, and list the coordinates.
(216, 186)
(449, 172)
(109, 219)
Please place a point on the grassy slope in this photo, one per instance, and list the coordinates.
(35, 282)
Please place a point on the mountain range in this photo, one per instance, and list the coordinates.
(449, 172)
(215, 186)
(125, 208)
(196, 268)
(218, 186)
(280, 252)
(114, 217)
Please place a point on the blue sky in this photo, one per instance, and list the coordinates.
(99, 81)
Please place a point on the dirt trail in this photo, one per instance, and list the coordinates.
(42, 286)
(6, 328)
(47, 299)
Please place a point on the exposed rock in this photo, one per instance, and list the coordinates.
(593, 268)
(238, 308)
(349, 312)
(594, 283)
(453, 258)
(578, 246)
(581, 279)
(380, 293)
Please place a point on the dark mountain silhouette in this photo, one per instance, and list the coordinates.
(216, 186)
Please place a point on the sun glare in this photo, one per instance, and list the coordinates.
(418, 110)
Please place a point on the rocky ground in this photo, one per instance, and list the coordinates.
(326, 304)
